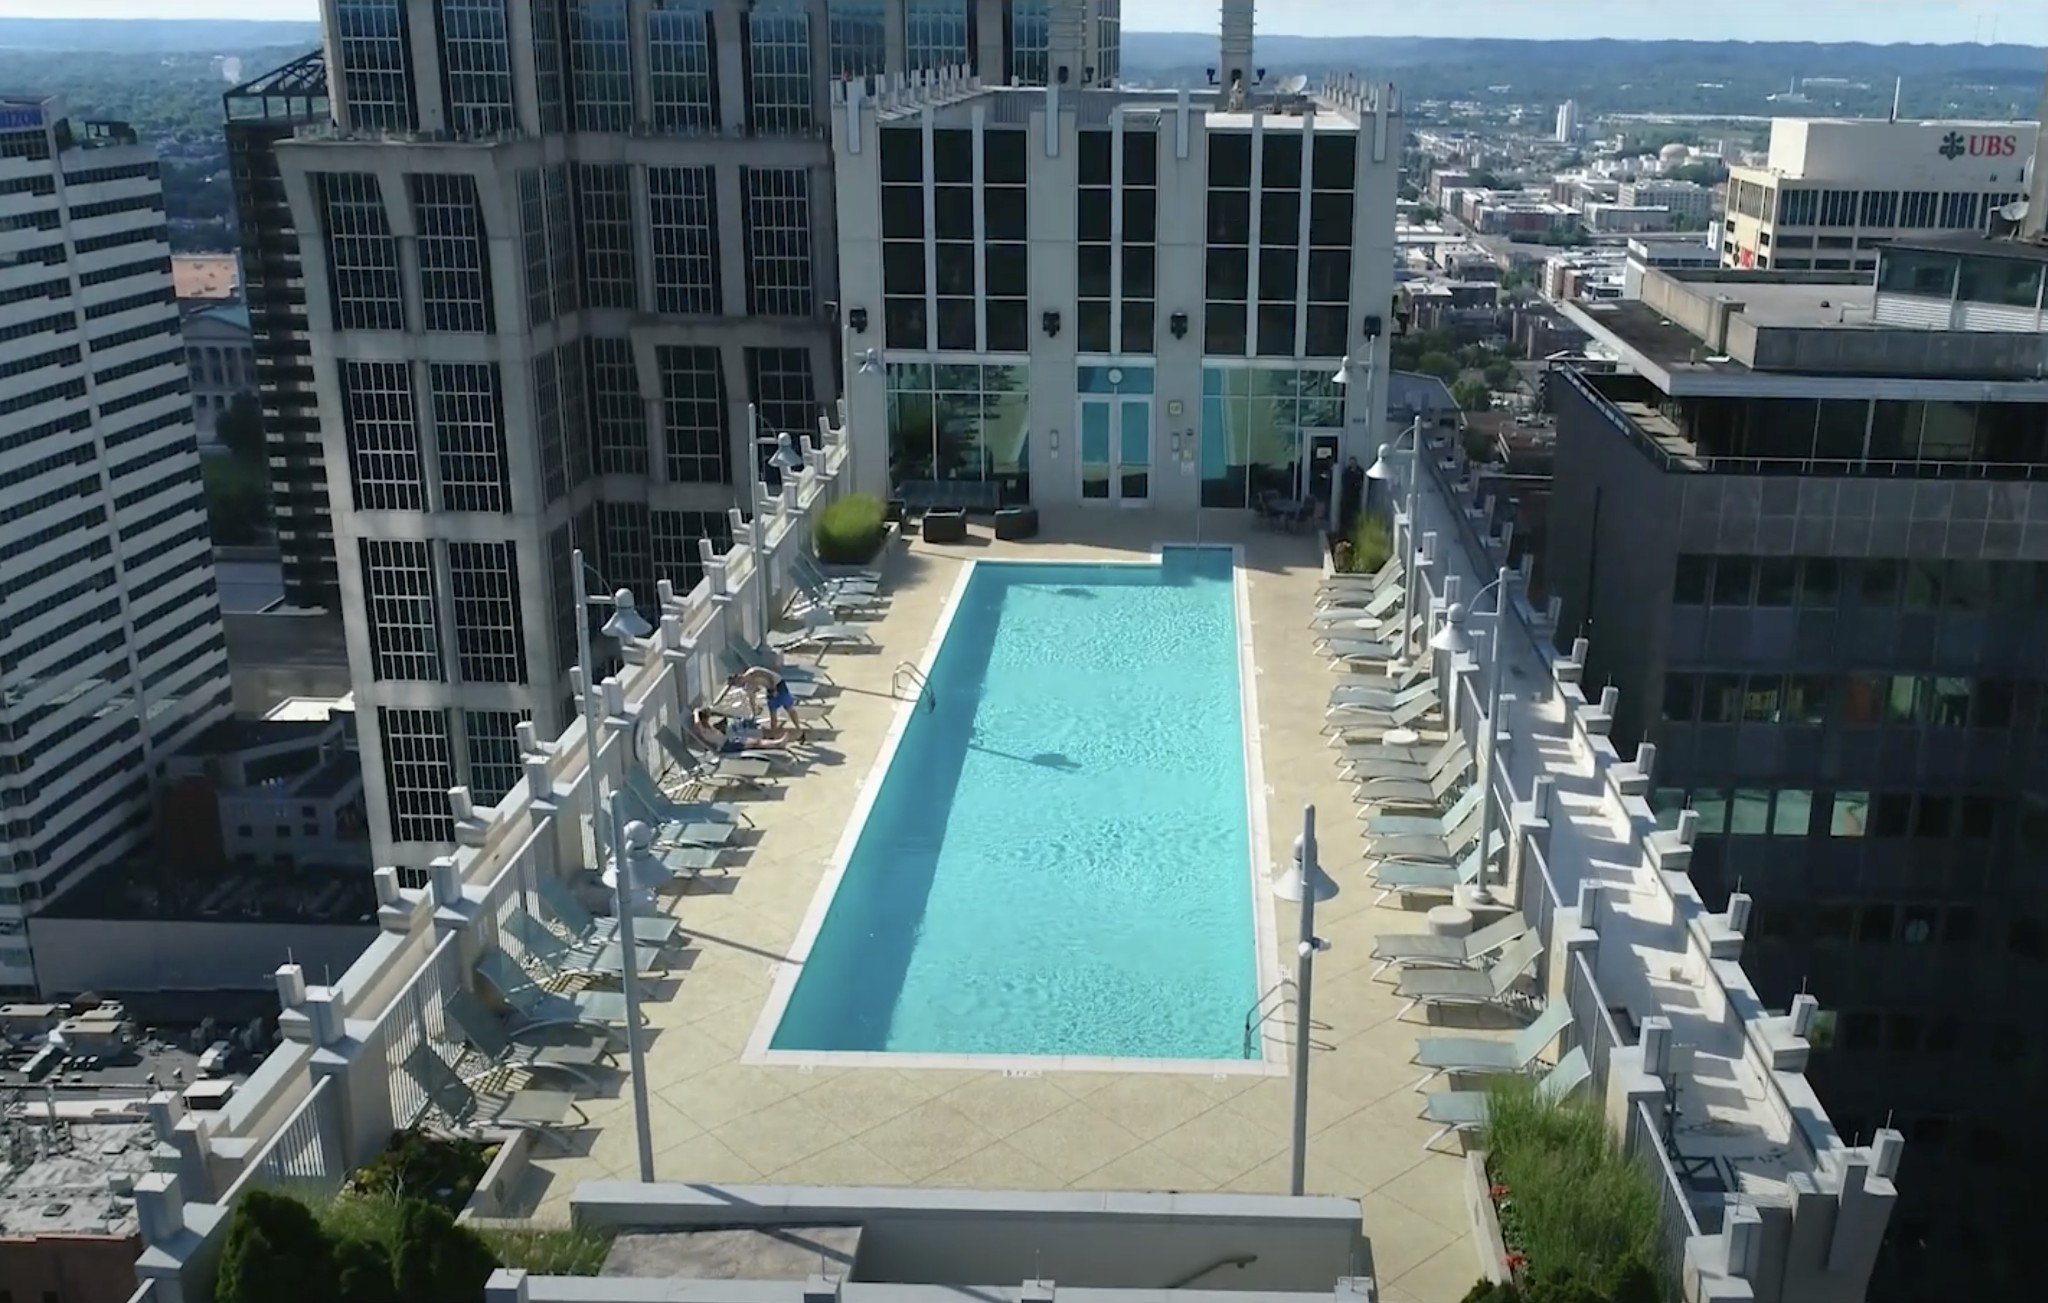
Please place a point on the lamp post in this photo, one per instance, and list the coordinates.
(1306, 883)
(784, 459)
(625, 623)
(1452, 638)
(1343, 377)
(1382, 471)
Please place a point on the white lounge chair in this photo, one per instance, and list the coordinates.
(1495, 984)
(1439, 824)
(1480, 1055)
(1465, 1110)
(1418, 873)
(1427, 950)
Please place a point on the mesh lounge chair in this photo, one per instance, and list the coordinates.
(1362, 651)
(464, 1108)
(809, 572)
(823, 632)
(1378, 694)
(538, 1006)
(1413, 950)
(1379, 825)
(704, 769)
(1465, 1110)
(1389, 570)
(1427, 792)
(803, 681)
(1418, 874)
(644, 796)
(1343, 611)
(494, 1047)
(1366, 761)
(1424, 848)
(688, 750)
(1494, 984)
(1350, 720)
(1475, 1054)
(584, 926)
(810, 596)
(589, 959)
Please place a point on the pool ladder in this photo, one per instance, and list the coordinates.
(908, 673)
(1263, 1012)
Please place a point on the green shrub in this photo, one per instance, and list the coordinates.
(1575, 1207)
(1371, 544)
(1487, 1291)
(274, 1252)
(436, 1259)
(416, 1165)
(362, 1272)
(849, 531)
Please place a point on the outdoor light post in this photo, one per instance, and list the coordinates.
(1343, 377)
(1383, 471)
(784, 459)
(1307, 883)
(1452, 638)
(625, 623)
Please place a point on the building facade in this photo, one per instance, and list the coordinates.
(1118, 298)
(259, 115)
(570, 266)
(111, 653)
(221, 358)
(1688, 201)
(1567, 132)
(1808, 552)
(1834, 191)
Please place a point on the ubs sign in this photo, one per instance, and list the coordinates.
(1955, 145)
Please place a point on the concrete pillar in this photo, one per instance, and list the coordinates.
(159, 1208)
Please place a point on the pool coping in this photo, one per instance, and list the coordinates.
(1272, 1059)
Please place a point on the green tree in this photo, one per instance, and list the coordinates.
(1439, 364)
(1428, 213)
(1500, 375)
(275, 1252)
(362, 1272)
(437, 1259)
(237, 500)
(1472, 395)
(241, 430)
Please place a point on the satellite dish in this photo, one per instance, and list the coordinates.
(1294, 85)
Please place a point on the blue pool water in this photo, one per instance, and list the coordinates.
(1057, 861)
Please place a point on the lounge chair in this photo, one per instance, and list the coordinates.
(1351, 721)
(1475, 1054)
(1494, 984)
(687, 750)
(462, 1107)
(808, 572)
(588, 959)
(1343, 612)
(1389, 570)
(1365, 761)
(1425, 950)
(1417, 873)
(644, 796)
(1430, 792)
(809, 596)
(1379, 694)
(804, 682)
(1361, 651)
(830, 570)
(574, 1052)
(584, 926)
(822, 633)
(1465, 1110)
(1440, 824)
(537, 1006)
(703, 769)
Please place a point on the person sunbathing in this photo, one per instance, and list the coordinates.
(711, 732)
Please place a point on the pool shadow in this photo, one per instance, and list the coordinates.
(1085, 594)
(1044, 759)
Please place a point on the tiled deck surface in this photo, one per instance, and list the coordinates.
(718, 1119)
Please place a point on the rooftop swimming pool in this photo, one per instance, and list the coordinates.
(1057, 860)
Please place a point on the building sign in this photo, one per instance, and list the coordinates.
(1955, 145)
(16, 116)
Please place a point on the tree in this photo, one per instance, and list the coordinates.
(437, 1259)
(1441, 365)
(1500, 375)
(1428, 213)
(1472, 395)
(275, 1252)
(362, 1272)
(241, 429)
(237, 500)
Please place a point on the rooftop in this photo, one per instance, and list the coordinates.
(71, 1178)
(202, 276)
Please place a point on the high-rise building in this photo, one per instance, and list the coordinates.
(111, 653)
(555, 252)
(260, 114)
(1833, 191)
(1568, 123)
(1801, 537)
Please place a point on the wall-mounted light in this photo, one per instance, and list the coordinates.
(870, 361)
(1178, 324)
(858, 319)
(1051, 322)
(1373, 325)
(1055, 442)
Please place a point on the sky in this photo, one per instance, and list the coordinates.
(2023, 21)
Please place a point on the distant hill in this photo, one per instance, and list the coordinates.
(152, 36)
(1736, 77)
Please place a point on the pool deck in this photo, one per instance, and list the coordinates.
(717, 1118)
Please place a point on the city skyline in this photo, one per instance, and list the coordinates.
(1920, 21)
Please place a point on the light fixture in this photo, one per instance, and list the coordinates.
(870, 361)
(1380, 469)
(1051, 322)
(1373, 326)
(1452, 637)
(1178, 324)
(1055, 440)
(786, 458)
(626, 621)
(858, 319)
(1343, 375)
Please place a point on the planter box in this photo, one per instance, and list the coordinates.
(1486, 1236)
(500, 1181)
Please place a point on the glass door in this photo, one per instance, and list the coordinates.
(1095, 428)
(1134, 451)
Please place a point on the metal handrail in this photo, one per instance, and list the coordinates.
(906, 671)
(1259, 1015)
(1233, 1260)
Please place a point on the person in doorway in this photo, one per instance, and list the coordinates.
(1353, 499)
(761, 683)
(711, 732)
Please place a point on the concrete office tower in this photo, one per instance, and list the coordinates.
(1568, 122)
(1117, 297)
(1808, 539)
(111, 653)
(553, 250)
(259, 116)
